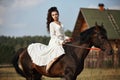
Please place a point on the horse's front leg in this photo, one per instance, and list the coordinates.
(69, 74)
(68, 78)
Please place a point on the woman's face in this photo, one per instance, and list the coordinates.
(55, 15)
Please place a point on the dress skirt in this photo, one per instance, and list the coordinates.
(42, 54)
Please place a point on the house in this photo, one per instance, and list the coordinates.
(87, 18)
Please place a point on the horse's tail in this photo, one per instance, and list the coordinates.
(15, 62)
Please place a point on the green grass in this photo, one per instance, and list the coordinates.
(87, 74)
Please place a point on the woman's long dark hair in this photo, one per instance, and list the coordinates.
(49, 17)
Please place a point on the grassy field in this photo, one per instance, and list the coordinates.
(87, 74)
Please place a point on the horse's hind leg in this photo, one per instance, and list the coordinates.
(36, 75)
(32, 75)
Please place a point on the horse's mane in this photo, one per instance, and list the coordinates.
(85, 35)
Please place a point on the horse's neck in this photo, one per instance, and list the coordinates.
(82, 51)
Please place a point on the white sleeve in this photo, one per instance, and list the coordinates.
(52, 31)
(53, 35)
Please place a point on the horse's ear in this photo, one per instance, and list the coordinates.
(96, 24)
(96, 27)
(102, 25)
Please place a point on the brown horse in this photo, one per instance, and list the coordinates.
(71, 64)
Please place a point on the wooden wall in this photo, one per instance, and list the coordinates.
(96, 59)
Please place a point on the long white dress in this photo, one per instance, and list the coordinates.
(42, 54)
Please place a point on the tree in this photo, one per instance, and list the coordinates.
(68, 33)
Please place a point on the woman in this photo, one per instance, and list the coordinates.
(43, 54)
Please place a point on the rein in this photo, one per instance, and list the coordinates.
(83, 47)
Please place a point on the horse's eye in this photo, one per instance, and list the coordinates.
(103, 37)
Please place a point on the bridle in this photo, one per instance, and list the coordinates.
(98, 49)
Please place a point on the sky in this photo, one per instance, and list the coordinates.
(28, 17)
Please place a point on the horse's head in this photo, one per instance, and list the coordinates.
(99, 39)
(97, 36)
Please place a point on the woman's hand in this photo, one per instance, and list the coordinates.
(67, 40)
